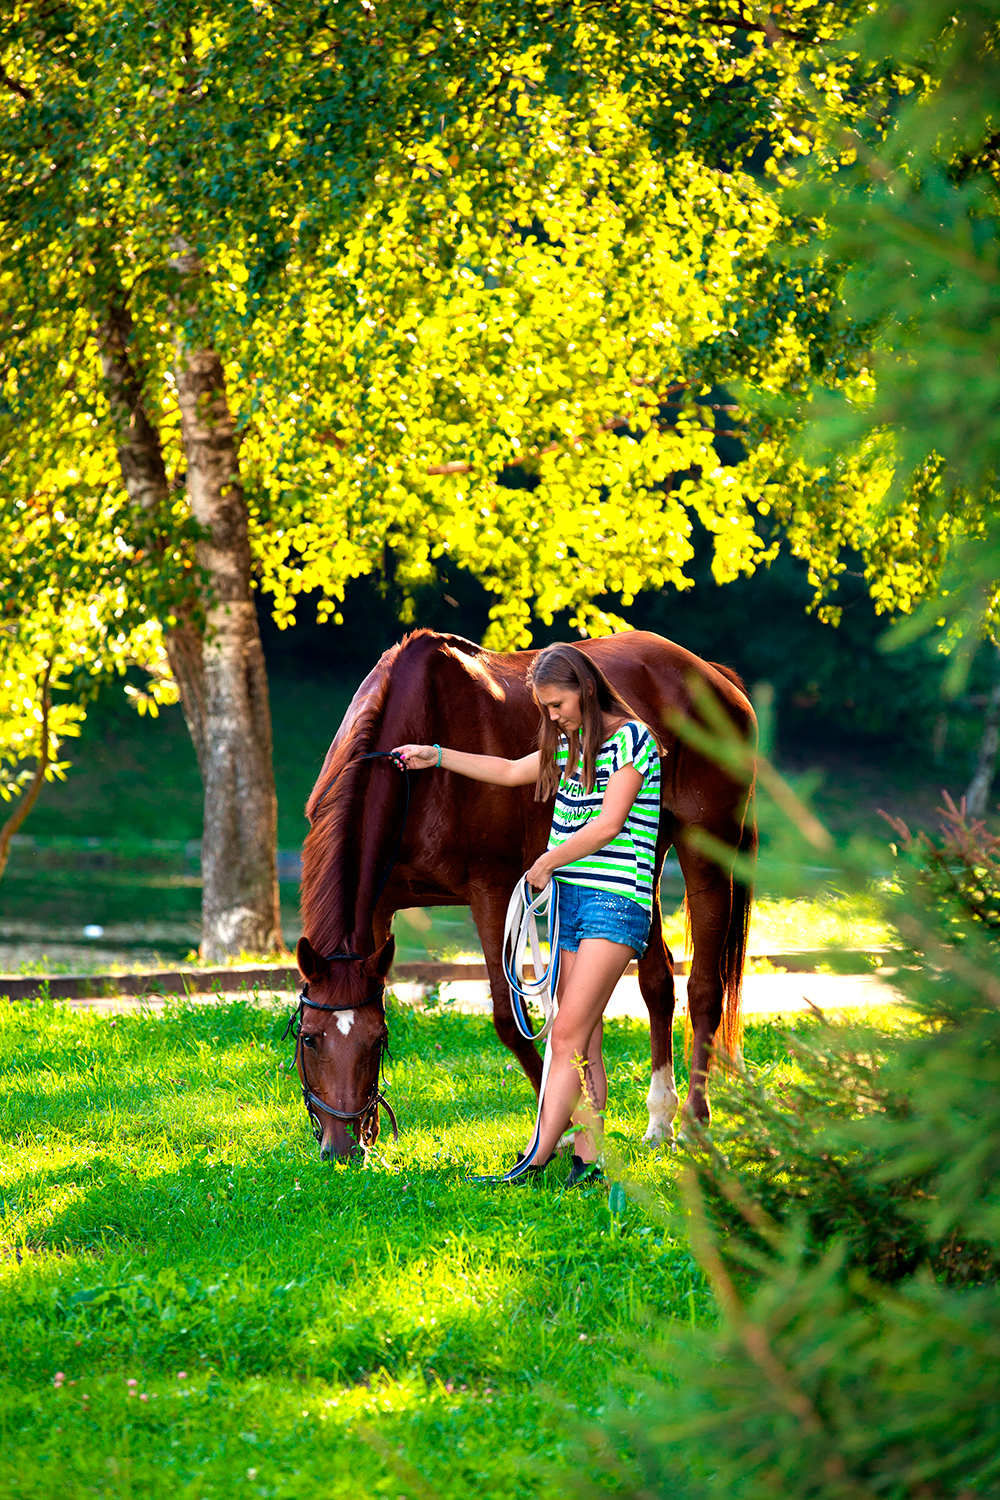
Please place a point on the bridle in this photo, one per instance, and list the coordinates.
(368, 1114)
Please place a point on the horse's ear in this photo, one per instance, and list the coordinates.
(312, 964)
(381, 962)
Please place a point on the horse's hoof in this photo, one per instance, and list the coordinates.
(660, 1133)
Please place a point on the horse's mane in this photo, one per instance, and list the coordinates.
(322, 890)
(322, 878)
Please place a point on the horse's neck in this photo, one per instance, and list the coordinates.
(346, 876)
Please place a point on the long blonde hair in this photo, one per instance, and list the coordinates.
(563, 665)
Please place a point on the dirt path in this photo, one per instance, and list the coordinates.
(763, 994)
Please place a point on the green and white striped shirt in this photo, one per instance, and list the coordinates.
(625, 866)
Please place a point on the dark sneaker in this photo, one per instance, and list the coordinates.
(532, 1175)
(530, 1178)
(583, 1172)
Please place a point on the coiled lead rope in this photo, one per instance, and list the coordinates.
(524, 912)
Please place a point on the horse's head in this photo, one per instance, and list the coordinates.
(341, 1037)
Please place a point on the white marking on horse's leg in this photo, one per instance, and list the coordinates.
(345, 1020)
(661, 1101)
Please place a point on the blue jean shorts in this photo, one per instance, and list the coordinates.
(585, 912)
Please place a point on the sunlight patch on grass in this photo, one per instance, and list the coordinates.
(800, 926)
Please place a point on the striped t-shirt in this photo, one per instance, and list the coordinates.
(625, 866)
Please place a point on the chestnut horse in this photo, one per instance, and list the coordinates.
(466, 843)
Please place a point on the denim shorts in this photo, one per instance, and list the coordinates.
(586, 912)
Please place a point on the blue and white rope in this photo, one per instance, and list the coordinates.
(524, 912)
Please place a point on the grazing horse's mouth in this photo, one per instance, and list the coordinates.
(366, 1117)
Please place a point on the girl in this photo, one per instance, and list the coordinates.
(603, 765)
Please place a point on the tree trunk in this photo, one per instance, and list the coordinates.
(986, 761)
(221, 678)
(140, 458)
(240, 907)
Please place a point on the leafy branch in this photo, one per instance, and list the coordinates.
(31, 794)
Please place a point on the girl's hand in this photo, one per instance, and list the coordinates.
(417, 757)
(540, 873)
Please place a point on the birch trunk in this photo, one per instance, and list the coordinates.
(221, 678)
(144, 473)
(240, 907)
(986, 760)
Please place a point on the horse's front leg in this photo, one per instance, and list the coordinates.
(656, 985)
(489, 912)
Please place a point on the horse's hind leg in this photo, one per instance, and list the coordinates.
(489, 912)
(656, 985)
(710, 905)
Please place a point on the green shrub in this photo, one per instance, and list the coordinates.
(847, 1214)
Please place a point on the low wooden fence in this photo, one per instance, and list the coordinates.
(245, 978)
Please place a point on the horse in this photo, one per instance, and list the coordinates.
(466, 843)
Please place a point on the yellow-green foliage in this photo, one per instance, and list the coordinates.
(73, 608)
(432, 250)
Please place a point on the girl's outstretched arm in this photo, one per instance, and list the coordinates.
(494, 769)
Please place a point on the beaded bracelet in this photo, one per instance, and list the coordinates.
(440, 752)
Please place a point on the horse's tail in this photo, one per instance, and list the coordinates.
(729, 672)
(735, 949)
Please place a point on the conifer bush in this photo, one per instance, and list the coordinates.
(848, 1218)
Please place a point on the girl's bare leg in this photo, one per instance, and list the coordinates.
(587, 1122)
(588, 1117)
(585, 988)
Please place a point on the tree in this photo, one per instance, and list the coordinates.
(849, 1219)
(394, 286)
(71, 230)
(907, 205)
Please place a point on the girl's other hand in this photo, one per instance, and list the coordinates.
(540, 874)
(417, 757)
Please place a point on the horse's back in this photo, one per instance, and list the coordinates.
(651, 673)
(654, 673)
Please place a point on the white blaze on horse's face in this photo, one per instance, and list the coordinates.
(661, 1101)
(345, 1020)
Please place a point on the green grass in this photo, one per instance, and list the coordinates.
(136, 778)
(147, 898)
(390, 1330)
(832, 921)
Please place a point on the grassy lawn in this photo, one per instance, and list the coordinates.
(137, 778)
(232, 1317)
(146, 900)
